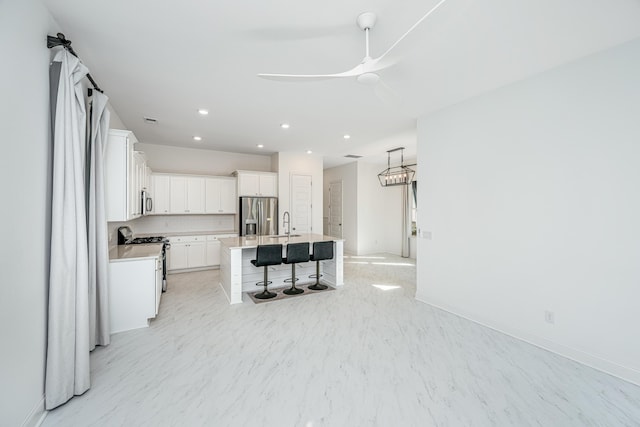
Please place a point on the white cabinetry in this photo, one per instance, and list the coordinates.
(122, 190)
(138, 182)
(187, 252)
(190, 194)
(177, 256)
(186, 194)
(213, 248)
(195, 251)
(135, 289)
(264, 184)
(220, 195)
(161, 205)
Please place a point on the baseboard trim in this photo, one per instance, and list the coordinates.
(191, 270)
(224, 292)
(36, 415)
(623, 372)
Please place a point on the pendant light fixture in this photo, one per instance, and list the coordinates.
(397, 175)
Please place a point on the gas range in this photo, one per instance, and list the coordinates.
(125, 237)
(142, 240)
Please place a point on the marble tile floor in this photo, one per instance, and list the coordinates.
(367, 354)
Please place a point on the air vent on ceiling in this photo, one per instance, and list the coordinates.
(352, 156)
(150, 120)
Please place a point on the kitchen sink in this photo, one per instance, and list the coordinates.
(280, 236)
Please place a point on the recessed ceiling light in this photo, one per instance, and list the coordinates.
(285, 126)
(260, 146)
(309, 151)
(203, 111)
(197, 138)
(346, 136)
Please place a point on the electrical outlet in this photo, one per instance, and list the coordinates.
(549, 317)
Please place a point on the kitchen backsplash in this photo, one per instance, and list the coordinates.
(162, 224)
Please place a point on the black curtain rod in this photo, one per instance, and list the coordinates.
(61, 40)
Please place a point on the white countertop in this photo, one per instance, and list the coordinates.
(129, 252)
(247, 242)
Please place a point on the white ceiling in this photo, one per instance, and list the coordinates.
(168, 59)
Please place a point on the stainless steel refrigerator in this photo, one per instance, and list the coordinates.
(258, 216)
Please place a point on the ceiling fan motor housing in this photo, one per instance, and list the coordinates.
(366, 20)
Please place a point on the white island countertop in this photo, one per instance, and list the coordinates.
(129, 252)
(248, 242)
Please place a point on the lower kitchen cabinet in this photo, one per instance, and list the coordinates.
(197, 254)
(178, 258)
(187, 252)
(213, 250)
(135, 289)
(195, 251)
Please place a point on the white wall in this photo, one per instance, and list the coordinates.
(372, 214)
(25, 170)
(115, 122)
(379, 212)
(531, 193)
(161, 224)
(163, 158)
(288, 163)
(348, 174)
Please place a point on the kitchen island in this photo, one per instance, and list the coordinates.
(238, 275)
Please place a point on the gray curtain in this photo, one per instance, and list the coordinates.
(67, 370)
(406, 219)
(97, 224)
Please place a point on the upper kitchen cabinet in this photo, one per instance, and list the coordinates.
(123, 177)
(161, 192)
(263, 184)
(220, 195)
(186, 194)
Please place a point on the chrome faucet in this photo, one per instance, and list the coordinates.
(286, 223)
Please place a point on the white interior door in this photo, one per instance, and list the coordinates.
(301, 204)
(335, 209)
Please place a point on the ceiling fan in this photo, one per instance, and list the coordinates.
(366, 71)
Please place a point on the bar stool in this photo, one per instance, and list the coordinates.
(267, 255)
(296, 252)
(321, 251)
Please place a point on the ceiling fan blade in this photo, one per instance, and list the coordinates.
(413, 27)
(355, 71)
(377, 64)
(385, 93)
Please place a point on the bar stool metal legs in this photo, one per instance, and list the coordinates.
(265, 294)
(296, 252)
(321, 251)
